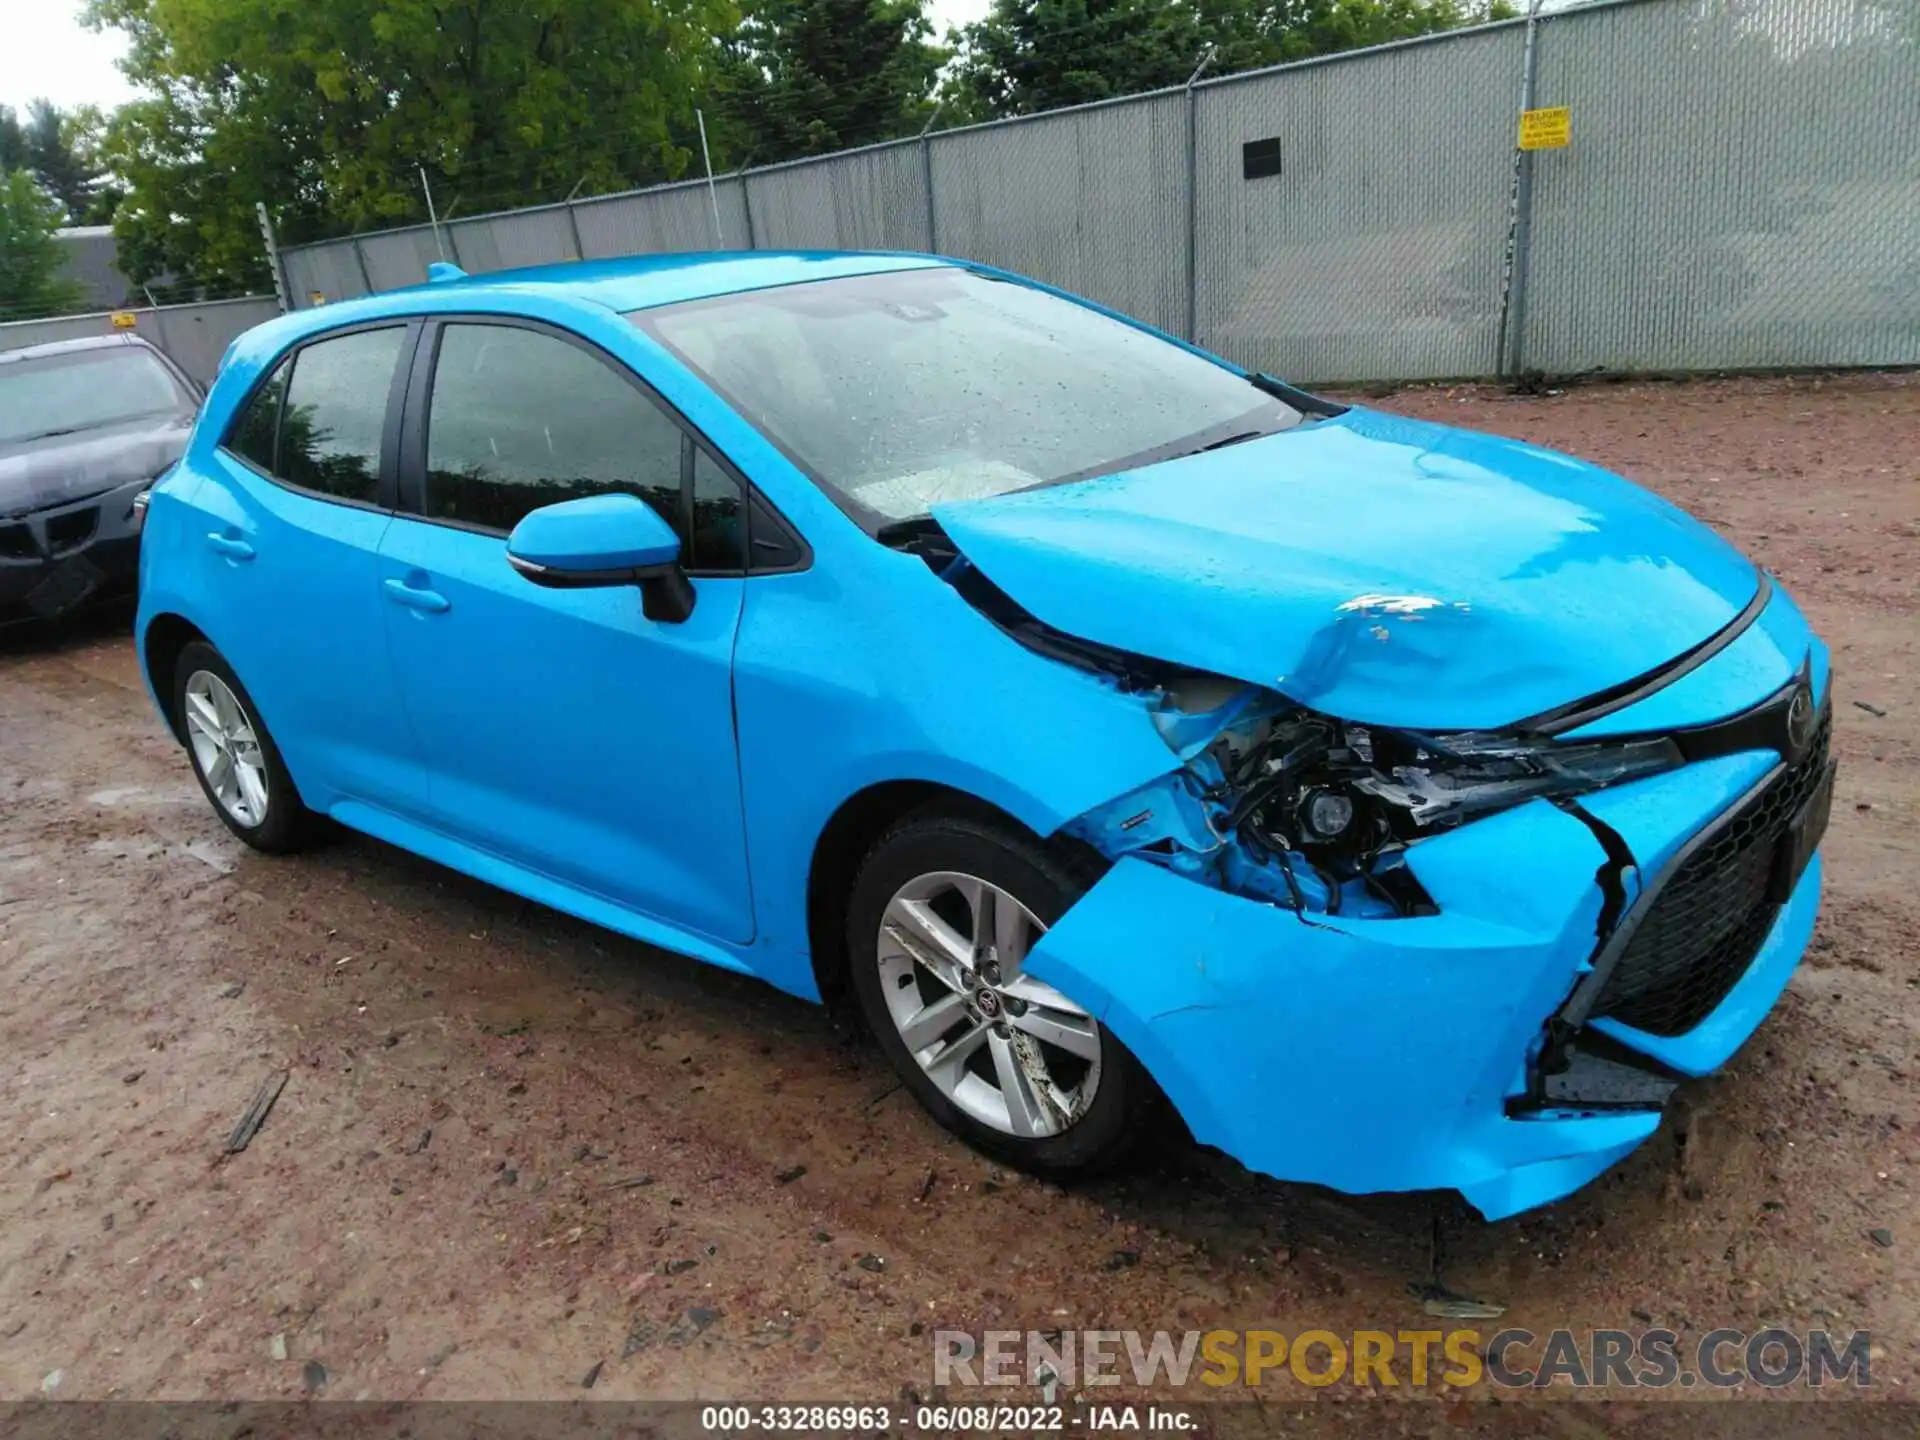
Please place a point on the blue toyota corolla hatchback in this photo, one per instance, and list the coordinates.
(1410, 808)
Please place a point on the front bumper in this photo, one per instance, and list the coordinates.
(1442, 1051)
(56, 561)
(1382, 1054)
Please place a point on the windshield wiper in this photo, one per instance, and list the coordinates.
(1233, 439)
(900, 534)
(53, 434)
(1308, 404)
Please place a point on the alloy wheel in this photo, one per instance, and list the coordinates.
(226, 748)
(1006, 1048)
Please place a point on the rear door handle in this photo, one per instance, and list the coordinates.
(228, 546)
(414, 598)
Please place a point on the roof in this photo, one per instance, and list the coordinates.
(633, 282)
(638, 282)
(62, 347)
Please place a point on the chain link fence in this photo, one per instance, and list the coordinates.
(1741, 190)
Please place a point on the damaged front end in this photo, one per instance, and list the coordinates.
(1501, 946)
(1278, 802)
(1275, 801)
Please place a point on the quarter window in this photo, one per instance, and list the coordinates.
(519, 420)
(335, 411)
(719, 519)
(253, 433)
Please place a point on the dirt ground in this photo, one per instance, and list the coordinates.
(513, 1148)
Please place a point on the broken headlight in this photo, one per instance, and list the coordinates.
(1324, 788)
(1283, 804)
(1460, 777)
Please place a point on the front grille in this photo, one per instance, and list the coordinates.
(71, 530)
(1709, 922)
(16, 543)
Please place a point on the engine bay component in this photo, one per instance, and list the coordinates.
(1316, 813)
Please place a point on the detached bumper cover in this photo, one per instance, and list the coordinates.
(59, 560)
(1440, 1051)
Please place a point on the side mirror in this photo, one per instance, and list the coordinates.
(604, 540)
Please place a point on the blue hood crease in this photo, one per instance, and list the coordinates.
(1384, 570)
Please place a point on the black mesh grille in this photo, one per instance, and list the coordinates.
(16, 542)
(75, 527)
(1711, 919)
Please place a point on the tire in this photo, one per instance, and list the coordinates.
(933, 860)
(261, 805)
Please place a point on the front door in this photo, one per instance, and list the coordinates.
(562, 729)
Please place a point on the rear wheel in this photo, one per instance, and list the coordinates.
(944, 913)
(238, 765)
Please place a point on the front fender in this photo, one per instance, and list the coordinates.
(832, 698)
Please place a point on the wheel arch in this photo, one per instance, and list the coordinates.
(850, 834)
(166, 635)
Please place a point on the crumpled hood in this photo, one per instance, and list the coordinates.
(39, 474)
(1383, 570)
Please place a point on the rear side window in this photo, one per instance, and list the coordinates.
(335, 411)
(252, 437)
(519, 420)
(316, 421)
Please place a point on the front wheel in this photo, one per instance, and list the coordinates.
(943, 915)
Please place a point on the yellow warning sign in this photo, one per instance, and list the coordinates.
(1549, 129)
(121, 319)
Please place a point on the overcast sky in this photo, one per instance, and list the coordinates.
(48, 52)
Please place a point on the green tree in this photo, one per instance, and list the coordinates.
(62, 149)
(805, 77)
(13, 140)
(30, 258)
(326, 110)
(1033, 55)
(53, 158)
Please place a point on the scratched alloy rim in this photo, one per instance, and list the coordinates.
(1009, 1050)
(226, 748)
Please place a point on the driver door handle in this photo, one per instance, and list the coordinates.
(229, 546)
(415, 598)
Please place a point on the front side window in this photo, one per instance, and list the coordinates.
(333, 415)
(64, 394)
(901, 390)
(519, 420)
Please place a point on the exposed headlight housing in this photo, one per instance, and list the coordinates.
(1313, 783)
(1454, 781)
(1319, 808)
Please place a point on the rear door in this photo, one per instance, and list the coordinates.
(563, 730)
(285, 539)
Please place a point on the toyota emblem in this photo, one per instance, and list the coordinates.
(1800, 719)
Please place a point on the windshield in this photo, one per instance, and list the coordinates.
(83, 389)
(899, 391)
